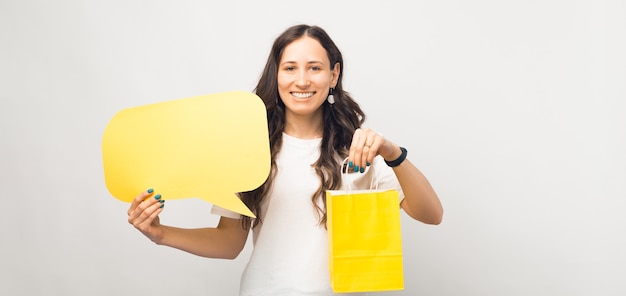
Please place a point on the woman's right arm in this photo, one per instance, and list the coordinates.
(224, 241)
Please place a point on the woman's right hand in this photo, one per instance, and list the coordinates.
(144, 214)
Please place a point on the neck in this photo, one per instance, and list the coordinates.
(304, 127)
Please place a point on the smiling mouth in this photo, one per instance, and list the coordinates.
(301, 95)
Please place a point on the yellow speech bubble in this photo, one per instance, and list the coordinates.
(209, 147)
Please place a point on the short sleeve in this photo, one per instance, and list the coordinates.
(217, 210)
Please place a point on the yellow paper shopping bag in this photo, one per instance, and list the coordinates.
(364, 240)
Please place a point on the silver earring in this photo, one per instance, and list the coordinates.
(331, 98)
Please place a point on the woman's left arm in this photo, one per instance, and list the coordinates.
(420, 200)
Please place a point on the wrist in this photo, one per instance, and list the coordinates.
(399, 159)
(158, 236)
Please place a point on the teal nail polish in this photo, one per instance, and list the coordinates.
(157, 197)
(161, 200)
(356, 168)
(162, 206)
(350, 164)
(362, 170)
(150, 190)
(367, 163)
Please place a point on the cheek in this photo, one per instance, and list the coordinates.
(323, 79)
(283, 90)
(282, 81)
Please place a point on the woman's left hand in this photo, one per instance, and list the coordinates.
(366, 144)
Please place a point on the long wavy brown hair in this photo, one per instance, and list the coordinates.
(340, 121)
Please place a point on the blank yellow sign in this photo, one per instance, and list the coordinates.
(208, 147)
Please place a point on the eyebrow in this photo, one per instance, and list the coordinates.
(310, 62)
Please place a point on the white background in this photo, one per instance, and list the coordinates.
(513, 109)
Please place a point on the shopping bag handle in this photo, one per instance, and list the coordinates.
(344, 172)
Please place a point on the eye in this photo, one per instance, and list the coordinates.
(316, 68)
(289, 68)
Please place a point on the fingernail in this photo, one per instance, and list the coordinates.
(362, 170)
(157, 197)
(356, 168)
(367, 163)
(162, 206)
(161, 200)
(150, 190)
(350, 164)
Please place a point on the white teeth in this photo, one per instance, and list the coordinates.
(302, 95)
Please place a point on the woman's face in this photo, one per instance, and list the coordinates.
(305, 76)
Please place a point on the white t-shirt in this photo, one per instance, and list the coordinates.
(290, 248)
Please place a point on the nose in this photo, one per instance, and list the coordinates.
(302, 79)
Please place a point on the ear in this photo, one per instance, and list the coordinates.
(335, 75)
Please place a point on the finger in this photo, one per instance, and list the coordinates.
(139, 199)
(357, 139)
(370, 148)
(355, 148)
(144, 209)
(377, 142)
(365, 149)
(363, 160)
(144, 218)
(147, 217)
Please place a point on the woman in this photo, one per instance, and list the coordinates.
(313, 126)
